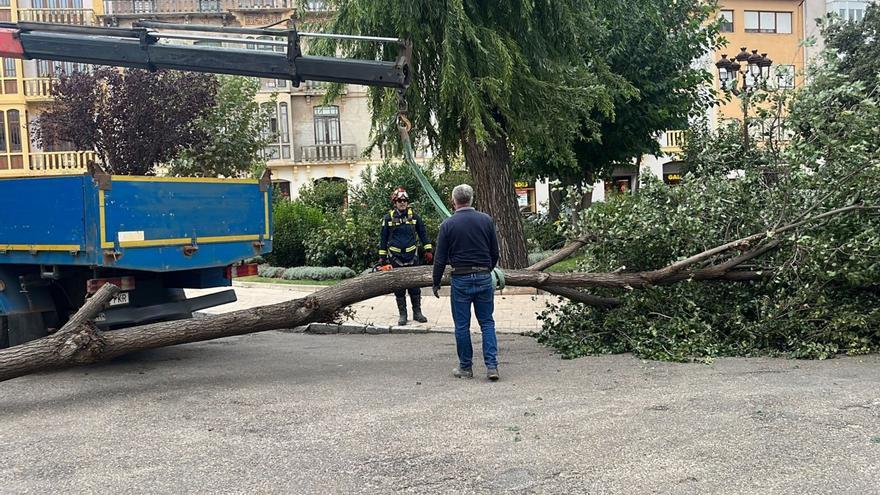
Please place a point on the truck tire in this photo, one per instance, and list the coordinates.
(25, 327)
(4, 333)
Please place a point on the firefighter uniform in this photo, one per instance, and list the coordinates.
(399, 244)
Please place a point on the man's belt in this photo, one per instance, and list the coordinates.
(468, 270)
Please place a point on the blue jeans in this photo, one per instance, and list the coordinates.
(475, 289)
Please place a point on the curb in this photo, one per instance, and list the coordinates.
(354, 329)
(288, 287)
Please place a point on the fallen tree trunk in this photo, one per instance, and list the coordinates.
(80, 342)
(85, 344)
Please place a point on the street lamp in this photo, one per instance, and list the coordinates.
(754, 76)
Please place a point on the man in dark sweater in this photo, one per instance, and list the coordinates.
(468, 242)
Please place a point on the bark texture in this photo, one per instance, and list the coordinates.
(493, 186)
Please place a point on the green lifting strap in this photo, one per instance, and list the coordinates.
(409, 158)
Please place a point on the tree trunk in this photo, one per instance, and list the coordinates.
(493, 186)
(554, 204)
(86, 344)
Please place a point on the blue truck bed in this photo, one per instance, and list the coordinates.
(153, 224)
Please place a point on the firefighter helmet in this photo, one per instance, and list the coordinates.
(399, 193)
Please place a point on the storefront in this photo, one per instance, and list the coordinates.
(672, 173)
(525, 196)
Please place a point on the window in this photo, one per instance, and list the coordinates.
(784, 76)
(327, 125)
(56, 4)
(852, 15)
(10, 84)
(284, 130)
(3, 132)
(726, 17)
(8, 67)
(618, 185)
(144, 6)
(277, 131)
(14, 130)
(767, 22)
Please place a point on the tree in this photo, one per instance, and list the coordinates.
(235, 133)
(134, 119)
(488, 77)
(858, 44)
(822, 293)
(659, 64)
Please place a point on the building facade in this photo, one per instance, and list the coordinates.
(24, 91)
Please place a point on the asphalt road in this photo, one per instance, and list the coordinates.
(294, 413)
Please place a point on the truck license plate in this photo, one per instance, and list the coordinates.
(120, 299)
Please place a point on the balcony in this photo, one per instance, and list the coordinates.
(59, 162)
(127, 7)
(79, 17)
(672, 142)
(45, 163)
(38, 88)
(324, 153)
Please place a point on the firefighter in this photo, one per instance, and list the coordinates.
(402, 230)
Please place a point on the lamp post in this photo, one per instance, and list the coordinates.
(755, 76)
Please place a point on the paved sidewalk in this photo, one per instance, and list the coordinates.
(514, 313)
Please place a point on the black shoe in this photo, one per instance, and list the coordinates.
(417, 309)
(492, 374)
(401, 310)
(463, 373)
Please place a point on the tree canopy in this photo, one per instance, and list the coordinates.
(658, 61)
(133, 119)
(858, 44)
(821, 294)
(487, 77)
(235, 130)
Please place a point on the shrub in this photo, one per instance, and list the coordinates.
(325, 195)
(373, 194)
(350, 239)
(318, 273)
(541, 234)
(539, 256)
(306, 272)
(268, 271)
(294, 223)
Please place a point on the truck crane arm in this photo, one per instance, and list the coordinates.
(145, 46)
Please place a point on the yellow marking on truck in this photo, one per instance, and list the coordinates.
(40, 247)
(187, 240)
(102, 220)
(266, 208)
(228, 238)
(196, 180)
(157, 242)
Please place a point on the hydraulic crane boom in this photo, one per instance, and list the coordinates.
(140, 47)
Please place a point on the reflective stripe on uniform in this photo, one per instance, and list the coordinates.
(393, 249)
(428, 246)
(411, 249)
(383, 252)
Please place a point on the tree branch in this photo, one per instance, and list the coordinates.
(566, 251)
